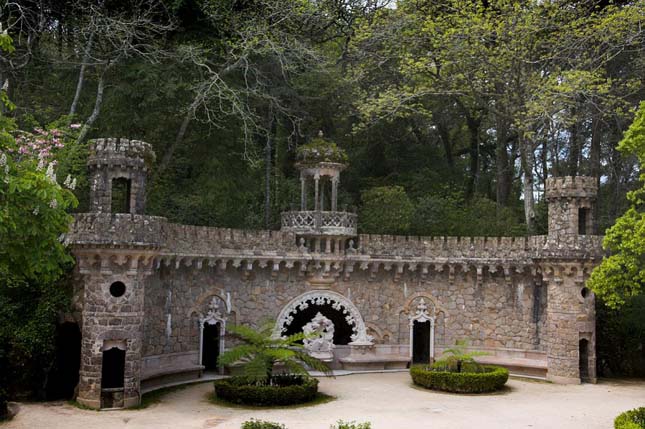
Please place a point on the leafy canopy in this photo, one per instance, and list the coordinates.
(621, 275)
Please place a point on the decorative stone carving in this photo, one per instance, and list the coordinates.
(337, 302)
(320, 337)
(422, 315)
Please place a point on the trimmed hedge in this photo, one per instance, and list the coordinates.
(491, 378)
(283, 390)
(632, 419)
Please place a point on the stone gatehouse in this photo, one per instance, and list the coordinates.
(155, 298)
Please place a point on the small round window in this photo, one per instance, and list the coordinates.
(584, 292)
(117, 289)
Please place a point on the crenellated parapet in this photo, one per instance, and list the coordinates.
(120, 152)
(118, 169)
(571, 187)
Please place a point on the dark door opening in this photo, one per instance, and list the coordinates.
(584, 360)
(113, 370)
(121, 195)
(421, 342)
(342, 330)
(210, 346)
(63, 377)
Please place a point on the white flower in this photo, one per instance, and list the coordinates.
(50, 172)
(41, 164)
(72, 185)
(68, 181)
(53, 203)
(36, 211)
(3, 160)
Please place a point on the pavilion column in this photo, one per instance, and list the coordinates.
(303, 193)
(316, 192)
(334, 193)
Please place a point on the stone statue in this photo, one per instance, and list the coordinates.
(320, 337)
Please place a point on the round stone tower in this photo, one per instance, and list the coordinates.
(566, 265)
(320, 226)
(571, 205)
(114, 245)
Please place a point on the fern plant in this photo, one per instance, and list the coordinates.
(457, 358)
(260, 352)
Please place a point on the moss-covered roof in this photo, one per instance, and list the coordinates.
(319, 150)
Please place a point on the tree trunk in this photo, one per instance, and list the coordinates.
(268, 150)
(594, 161)
(473, 129)
(526, 160)
(179, 138)
(504, 177)
(97, 108)
(81, 76)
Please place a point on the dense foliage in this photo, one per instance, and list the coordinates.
(621, 274)
(486, 378)
(33, 256)
(279, 390)
(632, 419)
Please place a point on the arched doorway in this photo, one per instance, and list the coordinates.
(342, 330)
(212, 327)
(211, 345)
(422, 333)
(112, 374)
(583, 354)
(421, 341)
(63, 377)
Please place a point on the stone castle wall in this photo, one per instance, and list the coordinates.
(518, 297)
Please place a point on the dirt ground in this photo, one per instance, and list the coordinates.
(389, 401)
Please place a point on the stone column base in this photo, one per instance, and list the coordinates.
(89, 403)
(558, 379)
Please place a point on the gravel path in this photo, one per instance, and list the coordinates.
(387, 400)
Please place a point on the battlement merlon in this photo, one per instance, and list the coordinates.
(571, 187)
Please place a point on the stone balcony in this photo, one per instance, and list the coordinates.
(311, 222)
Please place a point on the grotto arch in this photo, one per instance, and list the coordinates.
(336, 301)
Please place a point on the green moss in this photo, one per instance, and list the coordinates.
(321, 150)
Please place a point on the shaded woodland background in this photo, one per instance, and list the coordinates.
(453, 112)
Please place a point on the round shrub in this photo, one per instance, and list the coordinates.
(489, 379)
(632, 419)
(283, 390)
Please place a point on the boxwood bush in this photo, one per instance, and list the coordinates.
(488, 379)
(261, 424)
(283, 390)
(632, 419)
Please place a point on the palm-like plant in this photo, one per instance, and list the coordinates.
(453, 359)
(261, 352)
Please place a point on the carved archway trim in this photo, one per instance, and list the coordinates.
(214, 291)
(321, 297)
(437, 307)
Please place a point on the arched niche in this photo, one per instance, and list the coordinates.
(325, 297)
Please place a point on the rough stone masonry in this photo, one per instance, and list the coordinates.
(154, 298)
